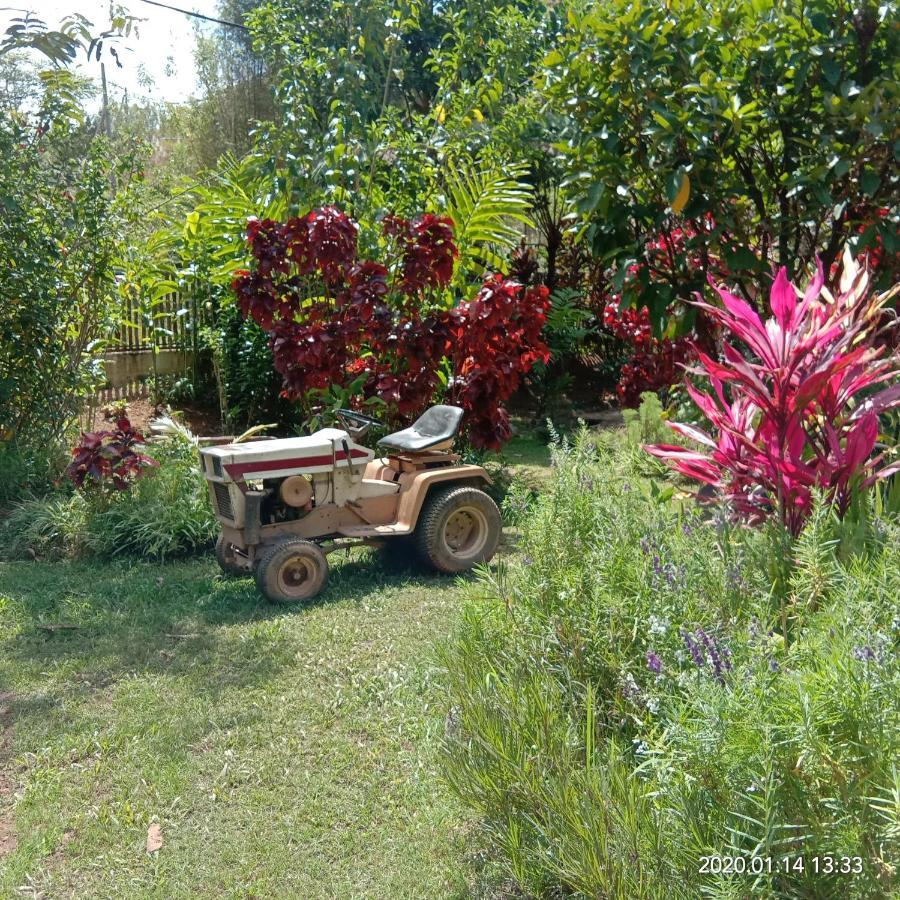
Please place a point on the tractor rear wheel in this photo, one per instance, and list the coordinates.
(458, 528)
(292, 571)
(225, 558)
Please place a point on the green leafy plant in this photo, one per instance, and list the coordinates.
(569, 324)
(61, 234)
(647, 423)
(164, 514)
(752, 135)
(487, 205)
(620, 706)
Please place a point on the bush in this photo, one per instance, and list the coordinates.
(621, 706)
(61, 233)
(668, 113)
(334, 319)
(164, 514)
(25, 472)
(804, 401)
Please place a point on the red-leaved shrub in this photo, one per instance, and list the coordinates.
(104, 459)
(789, 413)
(655, 363)
(334, 319)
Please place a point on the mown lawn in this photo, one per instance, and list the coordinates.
(284, 752)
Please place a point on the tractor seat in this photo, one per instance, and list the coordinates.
(435, 429)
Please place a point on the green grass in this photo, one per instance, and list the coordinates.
(285, 752)
(529, 456)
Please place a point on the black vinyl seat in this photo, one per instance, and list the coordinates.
(435, 426)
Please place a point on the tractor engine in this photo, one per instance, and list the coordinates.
(272, 481)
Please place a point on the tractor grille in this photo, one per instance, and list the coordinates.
(223, 500)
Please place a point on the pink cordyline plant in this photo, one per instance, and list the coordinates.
(799, 412)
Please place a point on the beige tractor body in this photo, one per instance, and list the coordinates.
(284, 504)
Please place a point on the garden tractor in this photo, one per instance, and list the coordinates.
(285, 504)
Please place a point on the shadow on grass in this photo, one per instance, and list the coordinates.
(87, 625)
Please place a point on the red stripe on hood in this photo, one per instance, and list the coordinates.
(238, 470)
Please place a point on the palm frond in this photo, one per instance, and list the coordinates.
(489, 205)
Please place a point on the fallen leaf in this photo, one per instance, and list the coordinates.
(154, 837)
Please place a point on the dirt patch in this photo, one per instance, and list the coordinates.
(6, 725)
(8, 840)
(57, 857)
(202, 422)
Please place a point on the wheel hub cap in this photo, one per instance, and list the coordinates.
(465, 532)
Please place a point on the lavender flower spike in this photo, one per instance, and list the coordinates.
(695, 651)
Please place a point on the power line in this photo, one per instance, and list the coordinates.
(197, 15)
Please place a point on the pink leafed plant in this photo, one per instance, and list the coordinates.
(798, 410)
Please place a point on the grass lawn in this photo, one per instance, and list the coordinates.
(284, 752)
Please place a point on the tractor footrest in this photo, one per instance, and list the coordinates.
(361, 531)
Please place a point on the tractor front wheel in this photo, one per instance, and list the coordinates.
(292, 571)
(458, 528)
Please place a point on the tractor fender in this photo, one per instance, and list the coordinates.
(415, 487)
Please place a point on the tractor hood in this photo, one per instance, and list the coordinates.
(254, 460)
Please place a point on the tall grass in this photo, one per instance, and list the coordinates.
(165, 513)
(624, 704)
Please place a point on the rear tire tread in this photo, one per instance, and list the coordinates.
(428, 534)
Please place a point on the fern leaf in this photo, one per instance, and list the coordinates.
(488, 206)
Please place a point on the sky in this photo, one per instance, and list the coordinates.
(162, 49)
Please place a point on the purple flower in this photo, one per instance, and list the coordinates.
(864, 654)
(725, 650)
(735, 578)
(693, 649)
(755, 630)
(527, 560)
(674, 576)
(630, 689)
(654, 663)
(702, 645)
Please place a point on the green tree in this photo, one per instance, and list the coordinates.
(757, 133)
(67, 212)
(236, 89)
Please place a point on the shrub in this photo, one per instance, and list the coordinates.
(646, 423)
(750, 134)
(162, 515)
(620, 706)
(655, 363)
(333, 318)
(797, 418)
(24, 472)
(61, 232)
(109, 460)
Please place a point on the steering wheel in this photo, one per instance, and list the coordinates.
(356, 423)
